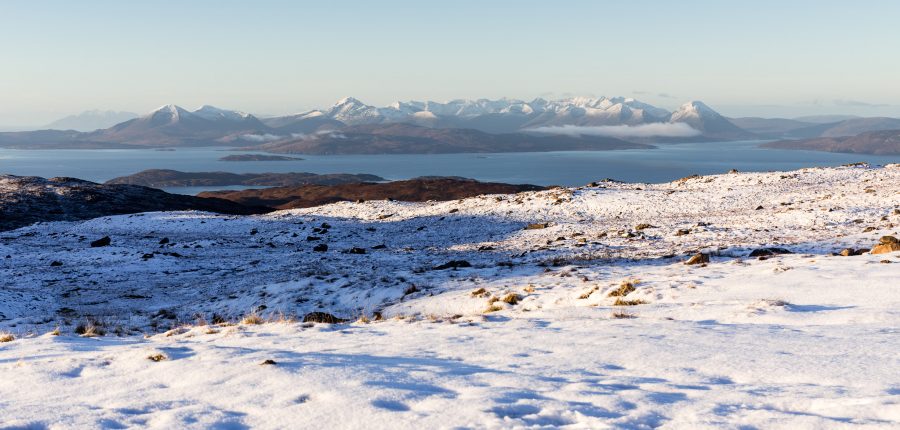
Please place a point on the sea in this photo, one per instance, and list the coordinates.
(571, 168)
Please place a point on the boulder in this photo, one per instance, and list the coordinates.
(322, 317)
(886, 244)
(103, 241)
(699, 258)
(768, 252)
(453, 265)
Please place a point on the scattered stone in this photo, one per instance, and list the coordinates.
(164, 241)
(56, 264)
(268, 362)
(682, 232)
(455, 264)
(849, 252)
(868, 229)
(410, 290)
(537, 226)
(356, 250)
(699, 258)
(886, 244)
(643, 226)
(382, 246)
(759, 208)
(103, 241)
(322, 317)
(147, 256)
(320, 247)
(768, 252)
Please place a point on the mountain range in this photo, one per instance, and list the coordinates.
(353, 127)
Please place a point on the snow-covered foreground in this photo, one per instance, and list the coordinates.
(802, 340)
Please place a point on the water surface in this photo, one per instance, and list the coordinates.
(668, 162)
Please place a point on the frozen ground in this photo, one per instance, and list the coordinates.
(802, 340)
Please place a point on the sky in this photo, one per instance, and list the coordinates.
(749, 58)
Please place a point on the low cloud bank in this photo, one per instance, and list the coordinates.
(662, 129)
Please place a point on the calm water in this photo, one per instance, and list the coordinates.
(666, 163)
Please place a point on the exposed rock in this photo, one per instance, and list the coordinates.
(886, 244)
(322, 317)
(103, 241)
(850, 252)
(537, 226)
(643, 226)
(768, 252)
(453, 265)
(699, 258)
(320, 247)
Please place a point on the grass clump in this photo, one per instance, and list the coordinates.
(6, 336)
(493, 308)
(620, 302)
(90, 329)
(481, 292)
(511, 298)
(156, 358)
(623, 315)
(624, 289)
(252, 319)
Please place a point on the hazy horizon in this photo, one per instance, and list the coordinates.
(763, 59)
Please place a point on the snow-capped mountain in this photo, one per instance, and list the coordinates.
(512, 115)
(172, 124)
(91, 120)
(703, 118)
(213, 113)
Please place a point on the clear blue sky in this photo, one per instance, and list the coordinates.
(774, 58)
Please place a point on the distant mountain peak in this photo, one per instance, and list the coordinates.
(91, 120)
(213, 113)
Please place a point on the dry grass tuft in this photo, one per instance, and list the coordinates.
(481, 292)
(282, 318)
(512, 298)
(55, 331)
(252, 319)
(620, 302)
(157, 357)
(624, 289)
(6, 336)
(90, 329)
(622, 315)
(493, 308)
(529, 289)
(587, 294)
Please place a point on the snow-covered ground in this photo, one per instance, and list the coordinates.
(801, 340)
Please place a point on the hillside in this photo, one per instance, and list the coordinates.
(27, 200)
(544, 309)
(410, 139)
(885, 142)
(163, 178)
(413, 190)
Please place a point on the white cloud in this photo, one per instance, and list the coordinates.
(661, 129)
(260, 137)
